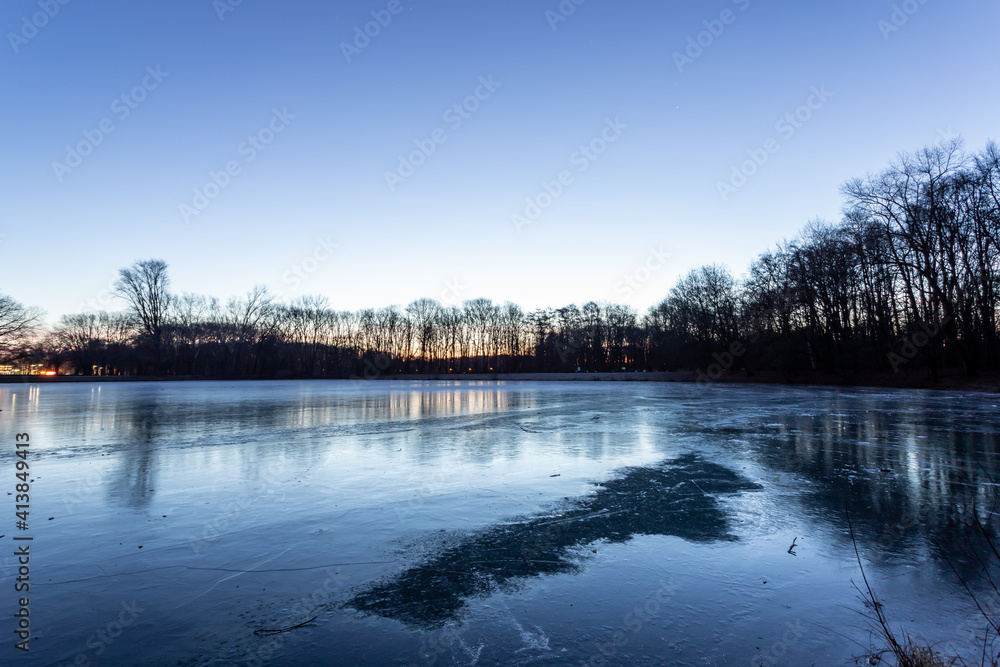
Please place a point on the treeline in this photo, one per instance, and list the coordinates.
(254, 336)
(908, 279)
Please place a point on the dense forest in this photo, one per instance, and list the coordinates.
(907, 279)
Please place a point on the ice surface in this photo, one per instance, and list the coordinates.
(477, 523)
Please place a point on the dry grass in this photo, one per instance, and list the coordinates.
(921, 656)
(902, 652)
(908, 654)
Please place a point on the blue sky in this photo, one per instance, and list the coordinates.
(312, 212)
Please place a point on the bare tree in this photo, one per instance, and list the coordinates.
(424, 314)
(250, 322)
(94, 343)
(16, 323)
(912, 268)
(191, 317)
(144, 287)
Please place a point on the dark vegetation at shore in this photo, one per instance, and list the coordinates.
(975, 567)
(429, 594)
(907, 282)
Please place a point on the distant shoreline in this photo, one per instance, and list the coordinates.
(951, 380)
(658, 376)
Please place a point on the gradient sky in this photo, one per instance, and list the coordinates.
(447, 231)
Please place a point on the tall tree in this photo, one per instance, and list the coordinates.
(144, 287)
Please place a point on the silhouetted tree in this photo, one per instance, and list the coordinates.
(144, 287)
(17, 323)
(915, 259)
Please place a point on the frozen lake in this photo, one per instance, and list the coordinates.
(487, 523)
